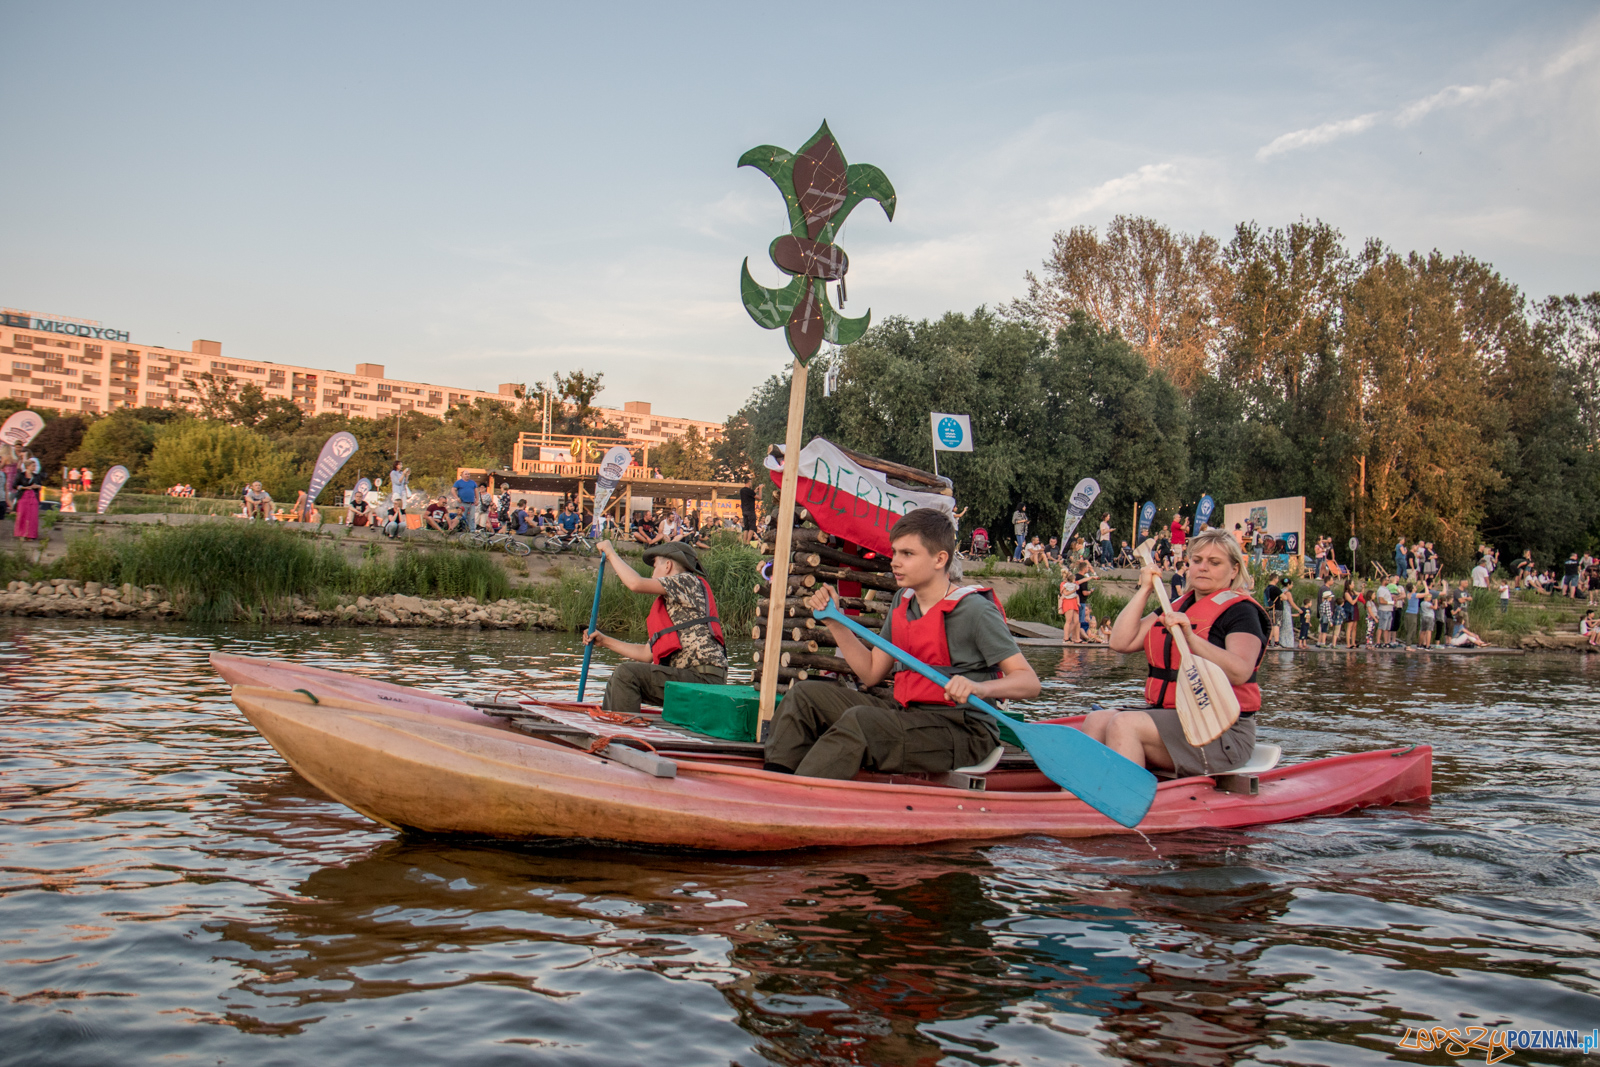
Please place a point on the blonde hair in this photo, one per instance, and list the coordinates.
(1242, 582)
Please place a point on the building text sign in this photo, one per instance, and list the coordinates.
(77, 329)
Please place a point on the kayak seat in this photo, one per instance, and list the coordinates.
(992, 760)
(1263, 759)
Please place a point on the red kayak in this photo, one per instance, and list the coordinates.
(416, 760)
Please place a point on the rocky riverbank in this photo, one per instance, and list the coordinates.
(63, 598)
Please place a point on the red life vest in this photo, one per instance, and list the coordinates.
(1163, 659)
(925, 639)
(664, 639)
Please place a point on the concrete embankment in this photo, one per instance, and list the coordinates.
(63, 598)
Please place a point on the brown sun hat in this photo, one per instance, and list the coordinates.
(676, 550)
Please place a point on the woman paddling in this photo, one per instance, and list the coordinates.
(1223, 624)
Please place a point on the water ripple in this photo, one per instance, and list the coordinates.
(172, 890)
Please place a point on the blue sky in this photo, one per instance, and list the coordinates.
(478, 193)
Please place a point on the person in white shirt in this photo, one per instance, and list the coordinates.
(399, 488)
(1480, 576)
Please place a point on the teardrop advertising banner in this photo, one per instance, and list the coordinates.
(612, 468)
(1203, 512)
(1147, 515)
(1078, 504)
(340, 447)
(21, 428)
(110, 486)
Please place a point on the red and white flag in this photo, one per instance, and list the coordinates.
(849, 500)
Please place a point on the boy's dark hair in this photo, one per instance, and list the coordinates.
(931, 526)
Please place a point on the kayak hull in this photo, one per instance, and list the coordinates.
(412, 768)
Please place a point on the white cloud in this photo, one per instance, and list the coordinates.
(1579, 55)
(1328, 131)
(1453, 96)
(1072, 208)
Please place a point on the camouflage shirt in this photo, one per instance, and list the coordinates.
(685, 595)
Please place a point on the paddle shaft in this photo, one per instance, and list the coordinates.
(932, 675)
(1178, 636)
(594, 618)
(1107, 781)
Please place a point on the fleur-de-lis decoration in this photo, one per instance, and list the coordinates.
(820, 190)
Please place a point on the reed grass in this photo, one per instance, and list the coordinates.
(217, 572)
(1035, 601)
(733, 569)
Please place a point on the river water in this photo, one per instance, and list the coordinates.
(170, 891)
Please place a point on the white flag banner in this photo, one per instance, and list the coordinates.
(339, 448)
(1082, 499)
(952, 433)
(21, 428)
(110, 486)
(612, 468)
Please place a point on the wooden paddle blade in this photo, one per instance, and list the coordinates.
(1107, 781)
(1204, 700)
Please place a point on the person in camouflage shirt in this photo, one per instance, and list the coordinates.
(685, 641)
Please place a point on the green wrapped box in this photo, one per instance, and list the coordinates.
(726, 711)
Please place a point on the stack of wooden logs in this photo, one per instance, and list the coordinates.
(808, 647)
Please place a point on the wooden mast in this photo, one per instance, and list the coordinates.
(780, 550)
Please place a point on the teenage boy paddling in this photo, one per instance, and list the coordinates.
(685, 642)
(823, 730)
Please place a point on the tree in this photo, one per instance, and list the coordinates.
(580, 389)
(1424, 419)
(730, 453)
(1157, 289)
(686, 457)
(59, 438)
(219, 459)
(1570, 329)
(121, 437)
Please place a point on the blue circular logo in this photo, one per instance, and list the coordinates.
(950, 432)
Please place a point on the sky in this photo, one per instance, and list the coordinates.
(477, 193)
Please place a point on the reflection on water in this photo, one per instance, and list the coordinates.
(171, 890)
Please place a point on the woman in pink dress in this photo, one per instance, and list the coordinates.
(27, 525)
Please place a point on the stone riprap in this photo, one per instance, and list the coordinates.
(63, 598)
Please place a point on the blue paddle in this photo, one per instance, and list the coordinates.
(594, 617)
(1109, 783)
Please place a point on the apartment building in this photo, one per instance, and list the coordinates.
(79, 365)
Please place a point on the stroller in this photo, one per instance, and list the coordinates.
(980, 543)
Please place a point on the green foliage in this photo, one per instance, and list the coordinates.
(687, 457)
(1034, 601)
(622, 614)
(734, 571)
(218, 571)
(1044, 413)
(731, 568)
(218, 458)
(121, 437)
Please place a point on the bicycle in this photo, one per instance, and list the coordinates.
(485, 539)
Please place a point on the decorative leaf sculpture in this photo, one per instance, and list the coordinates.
(819, 190)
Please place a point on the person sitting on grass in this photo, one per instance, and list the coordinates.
(685, 642)
(646, 532)
(824, 730)
(519, 519)
(436, 516)
(394, 519)
(257, 502)
(359, 511)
